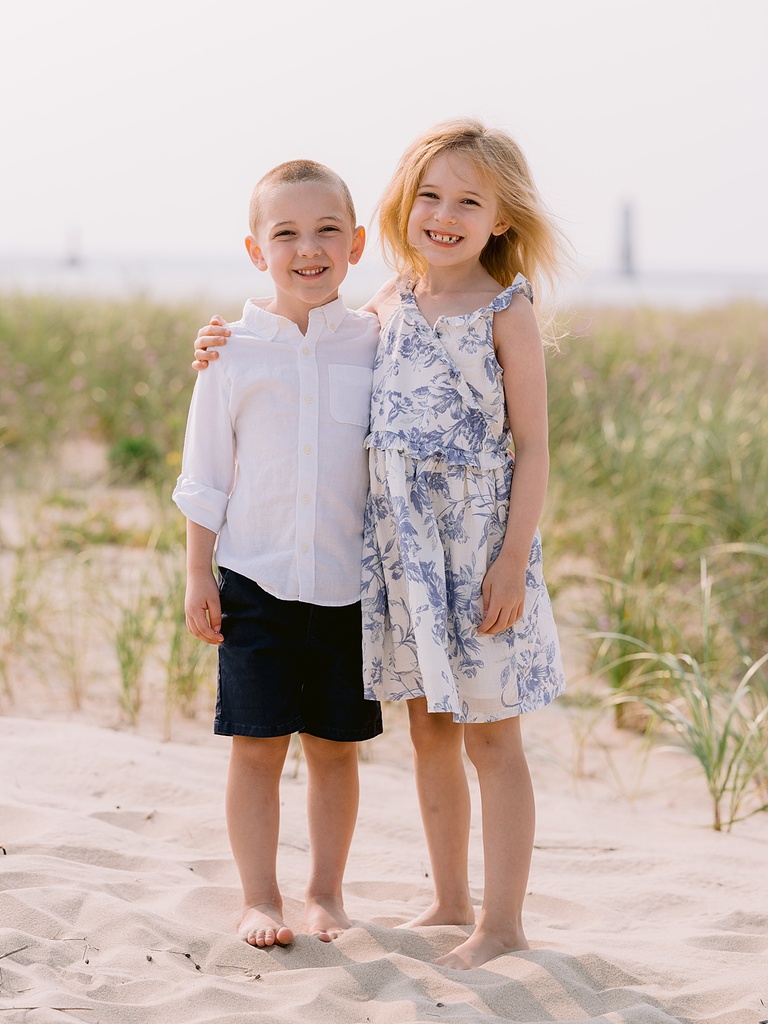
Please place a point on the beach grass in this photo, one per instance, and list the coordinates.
(659, 441)
(113, 371)
(717, 718)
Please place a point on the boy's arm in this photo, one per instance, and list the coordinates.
(202, 606)
(202, 494)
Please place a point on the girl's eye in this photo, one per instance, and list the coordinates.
(427, 195)
(471, 202)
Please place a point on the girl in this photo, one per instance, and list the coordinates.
(456, 615)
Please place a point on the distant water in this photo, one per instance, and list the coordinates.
(226, 283)
(674, 290)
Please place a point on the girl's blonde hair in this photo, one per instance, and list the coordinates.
(532, 244)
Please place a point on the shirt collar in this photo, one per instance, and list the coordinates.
(268, 324)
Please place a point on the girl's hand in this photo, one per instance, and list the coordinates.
(202, 608)
(503, 597)
(213, 334)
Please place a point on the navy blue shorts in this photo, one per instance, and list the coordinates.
(288, 666)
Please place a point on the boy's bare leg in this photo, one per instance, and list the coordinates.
(253, 822)
(496, 750)
(443, 791)
(333, 792)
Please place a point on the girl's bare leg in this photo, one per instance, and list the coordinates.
(508, 815)
(253, 822)
(443, 791)
(333, 792)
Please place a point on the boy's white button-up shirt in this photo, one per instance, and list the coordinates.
(273, 456)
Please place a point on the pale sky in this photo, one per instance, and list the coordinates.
(141, 128)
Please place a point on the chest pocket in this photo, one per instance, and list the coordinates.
(350, 393)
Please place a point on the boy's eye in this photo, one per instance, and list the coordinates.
(281, 234)
(329, 227)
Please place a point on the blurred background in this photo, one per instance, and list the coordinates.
(133, 134)
(132, 137)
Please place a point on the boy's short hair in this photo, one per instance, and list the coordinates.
(292, 173)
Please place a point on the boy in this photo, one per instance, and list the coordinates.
(274, 477)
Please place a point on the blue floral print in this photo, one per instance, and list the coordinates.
(441, 469)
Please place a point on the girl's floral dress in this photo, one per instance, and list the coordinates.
(441, 470)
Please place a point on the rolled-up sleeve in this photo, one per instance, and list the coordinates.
(208, 466)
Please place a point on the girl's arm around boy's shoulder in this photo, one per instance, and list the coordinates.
(208, 339)
(215, 334)
(384, 302)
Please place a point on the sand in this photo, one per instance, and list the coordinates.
(119, 896)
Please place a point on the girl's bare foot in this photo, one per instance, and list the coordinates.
(482, 946)
(263, 926)
(325, 917)
(439, 914)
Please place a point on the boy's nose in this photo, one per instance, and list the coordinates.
(309, 247)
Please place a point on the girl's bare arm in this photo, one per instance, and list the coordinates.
(208, 339)
(215, 333)
(521, 355)
(383, 302)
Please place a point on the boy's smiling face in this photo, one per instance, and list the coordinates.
(306, 241)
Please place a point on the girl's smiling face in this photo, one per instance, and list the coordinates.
(454, 212)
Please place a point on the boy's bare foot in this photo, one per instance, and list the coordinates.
(325, 917)
(482, 946)
(263, 926)
(438, 914)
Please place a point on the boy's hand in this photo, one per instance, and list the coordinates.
(208, 337)
(202, 609)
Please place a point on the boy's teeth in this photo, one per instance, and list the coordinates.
(443, 238)
(311, 273)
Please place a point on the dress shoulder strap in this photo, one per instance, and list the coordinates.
(520, 286)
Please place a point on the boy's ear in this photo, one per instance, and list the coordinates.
(358, 244)
(257, 256)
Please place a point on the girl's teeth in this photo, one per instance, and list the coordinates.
(443, 238)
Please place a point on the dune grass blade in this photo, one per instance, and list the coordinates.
(720, 723)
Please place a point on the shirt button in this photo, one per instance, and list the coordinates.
(305, 548)
(305, 351)
(309, 399)
(306, 499)
(332, 326)
(307, 449)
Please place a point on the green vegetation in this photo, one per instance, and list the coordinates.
(659, 440)
(659, 428)
(718, 719)
(114, 371)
